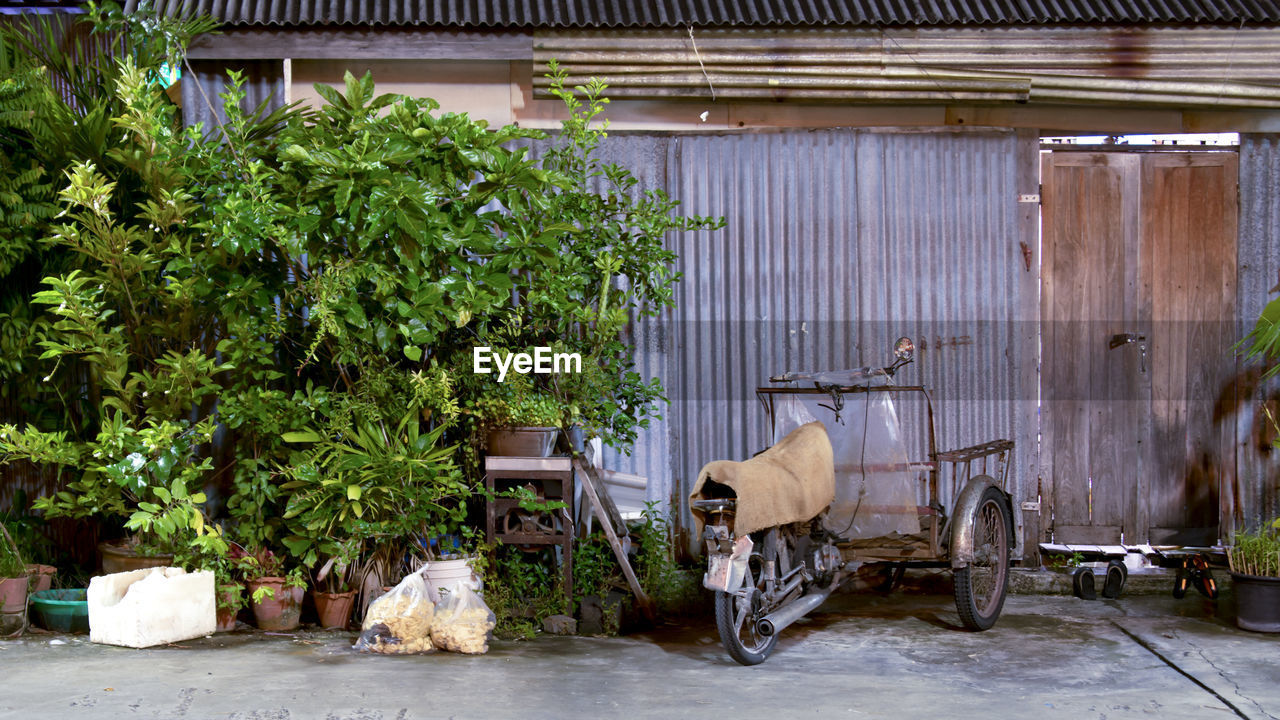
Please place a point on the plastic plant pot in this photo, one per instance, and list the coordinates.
(61, 610)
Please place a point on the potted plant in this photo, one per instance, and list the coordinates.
(140, 477)
(518, 419)
(1254, 558)
(229, 599)
(228, 590)
(275, 594)
(14, 584)
(360, 497)
(333, 588)
(455, 558)
(27, 531)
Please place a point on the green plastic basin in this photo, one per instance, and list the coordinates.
(61, 610)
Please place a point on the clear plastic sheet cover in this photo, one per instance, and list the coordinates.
(875, 492)
(855, 377)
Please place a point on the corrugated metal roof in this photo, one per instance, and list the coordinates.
(725, 13)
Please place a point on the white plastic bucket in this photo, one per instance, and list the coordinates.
(443, 574)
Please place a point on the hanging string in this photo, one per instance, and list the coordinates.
(701, 65)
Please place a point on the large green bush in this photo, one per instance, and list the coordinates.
(281, 309)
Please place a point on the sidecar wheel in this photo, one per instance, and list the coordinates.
(736, 619)
(981, 587)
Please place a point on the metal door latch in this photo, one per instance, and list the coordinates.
(1122, 339)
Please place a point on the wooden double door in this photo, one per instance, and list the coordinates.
(1137, 345)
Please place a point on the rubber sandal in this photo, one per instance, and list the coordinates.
(1202, 577)
(1082, 584)
(1117, 573)
(1180, 584)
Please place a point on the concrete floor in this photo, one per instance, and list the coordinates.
(861, 656)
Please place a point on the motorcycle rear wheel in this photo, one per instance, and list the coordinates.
(737, 615)
(737, 627)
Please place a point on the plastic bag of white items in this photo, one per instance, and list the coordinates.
(462, 622)
(400, 621)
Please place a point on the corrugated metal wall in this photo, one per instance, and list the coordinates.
(837, 242)
(646, 157)
(1258, 465)
(264, 80)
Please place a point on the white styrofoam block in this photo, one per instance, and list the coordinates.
(149, 607)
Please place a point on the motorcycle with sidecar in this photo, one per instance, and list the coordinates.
(837, 492)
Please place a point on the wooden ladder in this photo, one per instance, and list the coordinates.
(611, 520)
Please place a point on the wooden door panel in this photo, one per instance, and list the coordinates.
(1140, 243)
(1086, 289)
(1189, 221)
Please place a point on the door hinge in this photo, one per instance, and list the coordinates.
(1029, 198)
(1031, 506)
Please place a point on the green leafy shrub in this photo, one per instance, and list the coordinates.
(208, 294)
(1257, 552)
(596, 570)
(371, 483)
(521, 589)
(12, 564)
(517, 404)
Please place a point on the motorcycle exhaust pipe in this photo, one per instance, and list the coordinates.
(776, 621)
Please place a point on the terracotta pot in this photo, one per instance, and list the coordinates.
(41, 577)
(13, 595)
(117, 559)
(334, 609)
(228, 606)
(280, 612)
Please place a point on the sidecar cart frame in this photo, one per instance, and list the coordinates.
(966, 534)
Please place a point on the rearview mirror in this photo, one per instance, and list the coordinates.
(904, 349)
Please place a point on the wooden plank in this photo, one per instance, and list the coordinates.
(1163, 234)
(370, 43)
(1137, 521)
(1025, 472)
(1048, 438)
(611, 515)
(1208, 350)
(1110, 445)
(1190, 224)
(1231, 437)
(1227, 369)
(1079, 225)
(1061, 289)
(527, 464)
(598, 495)
(1088, 534)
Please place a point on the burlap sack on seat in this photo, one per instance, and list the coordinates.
(790, 482)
